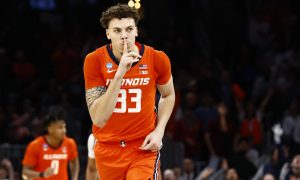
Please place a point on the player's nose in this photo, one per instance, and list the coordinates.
(124, 35)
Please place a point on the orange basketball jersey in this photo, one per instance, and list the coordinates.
(133, 116)
(40, 155)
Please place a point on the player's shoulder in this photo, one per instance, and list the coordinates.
(38, 141)
(96, 53)
(69, 140)
(157, 54)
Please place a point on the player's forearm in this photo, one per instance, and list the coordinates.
(103, 107)
(165, 107)
(26, 172)
(74, 168)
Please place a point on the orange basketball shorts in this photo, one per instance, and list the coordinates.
(124, 160)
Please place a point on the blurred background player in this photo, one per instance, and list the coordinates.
(91, 171)
(47, 156)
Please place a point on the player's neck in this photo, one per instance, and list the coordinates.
(52, 141)
(117, 54)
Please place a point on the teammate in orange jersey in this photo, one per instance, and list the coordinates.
(121, 79)
(47, 156)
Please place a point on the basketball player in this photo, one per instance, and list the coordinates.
(47, 156)
(121, 79)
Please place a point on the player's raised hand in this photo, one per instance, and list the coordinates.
(127, 59)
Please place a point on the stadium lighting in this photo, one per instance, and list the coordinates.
(130, 3)
(134, 3)
(137, 5)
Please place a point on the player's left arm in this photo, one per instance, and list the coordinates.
(74, 168)
(165, 107)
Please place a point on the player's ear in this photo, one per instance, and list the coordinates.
(107, 34)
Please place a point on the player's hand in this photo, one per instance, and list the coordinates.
(153, 141)
(49, 172)
(127, 59)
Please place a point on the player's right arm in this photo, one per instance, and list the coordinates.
(30, 162)
(29, 173)
(101, 101)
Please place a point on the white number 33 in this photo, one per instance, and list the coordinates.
(135, 98)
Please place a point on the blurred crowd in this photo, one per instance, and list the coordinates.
(235, 67)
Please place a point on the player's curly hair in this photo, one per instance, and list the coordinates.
(119, 11)
(55, 114)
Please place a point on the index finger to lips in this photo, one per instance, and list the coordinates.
(125, 50)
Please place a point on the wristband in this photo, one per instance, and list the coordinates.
(41, 175)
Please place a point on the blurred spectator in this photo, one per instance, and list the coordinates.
(205, 173)
(239, 160)
(289, 121)
(177, 172)
(169, 175)
(188, 129)
(268, 177)
(251, 127)
(231, 174)
(6, 169)
(207, 112)
(291, 125)
(188, 170)
(279, 156)
(219, 136)
(291, 171)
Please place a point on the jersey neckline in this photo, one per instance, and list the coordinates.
(52, 147)
(113, 57)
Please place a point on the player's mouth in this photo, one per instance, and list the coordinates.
(122, 45)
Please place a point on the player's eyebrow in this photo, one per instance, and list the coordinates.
(131, 26)
(115, 28)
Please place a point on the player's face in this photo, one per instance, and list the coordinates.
(57, 129)
(120, 31)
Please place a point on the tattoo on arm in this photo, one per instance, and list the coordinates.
(94, 93)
